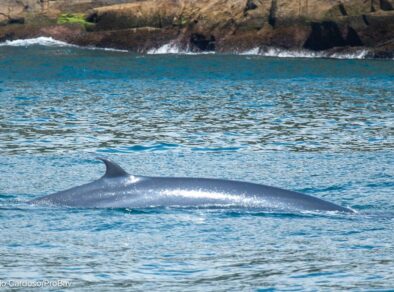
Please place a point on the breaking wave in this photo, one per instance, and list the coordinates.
(283, 53)
(42, 41)
(174, 48)
(49, 42)
(170, 48)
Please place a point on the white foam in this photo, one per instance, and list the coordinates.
(50, 42)
(361, 54)
(254, 51)
(283, 53)
(174, 48)
(170, 48)
(43, 41)
(104, 49)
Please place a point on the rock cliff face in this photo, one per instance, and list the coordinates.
(201, 25)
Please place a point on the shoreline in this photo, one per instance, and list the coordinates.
(173, 49)
(315, 27)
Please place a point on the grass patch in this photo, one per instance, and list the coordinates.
(74, 18)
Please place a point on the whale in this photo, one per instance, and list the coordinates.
(119, 189)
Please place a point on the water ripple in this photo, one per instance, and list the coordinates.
(136, 115)
(323, 127)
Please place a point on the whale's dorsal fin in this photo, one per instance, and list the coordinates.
(112, 169)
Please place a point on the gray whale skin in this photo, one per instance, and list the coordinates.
(118, 189)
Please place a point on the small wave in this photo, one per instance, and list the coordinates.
(170, 48)
(215, 149)
(174, 48)
(283, 53)
(361, 54)
(50, 42)
(139, 148)
(7, 196)
(255, 51)
(104, 49)
(42, 41)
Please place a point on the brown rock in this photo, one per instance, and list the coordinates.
(222, 25)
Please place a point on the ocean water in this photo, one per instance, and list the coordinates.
(319, 126)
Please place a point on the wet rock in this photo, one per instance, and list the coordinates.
(202, 42)
(324, 35)
(386, 5)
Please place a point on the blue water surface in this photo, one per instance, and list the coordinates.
(318, 126)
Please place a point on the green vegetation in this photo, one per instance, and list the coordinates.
(78, 18)
(181, 21)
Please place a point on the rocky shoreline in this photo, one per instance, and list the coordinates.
(326, 27)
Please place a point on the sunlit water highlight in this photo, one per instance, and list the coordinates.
(322, 127)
